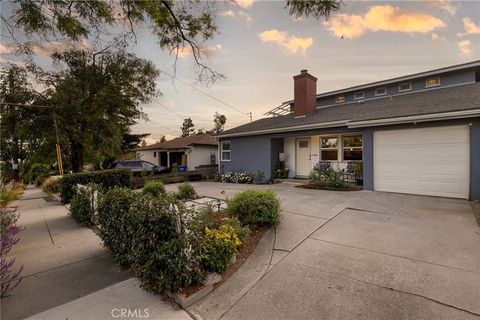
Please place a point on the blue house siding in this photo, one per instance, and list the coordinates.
(368, 159)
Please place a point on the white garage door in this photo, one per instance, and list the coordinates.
(428, 161)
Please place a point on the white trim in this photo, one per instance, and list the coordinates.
(338, 137)
(222, 151)
(433, 85)
(420, 118)
(380, 94)
(359, 98)
(331, 124)
(404, 90)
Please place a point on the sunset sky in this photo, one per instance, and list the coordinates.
(260, 47)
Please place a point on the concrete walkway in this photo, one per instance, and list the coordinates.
(358, 255)
(64, 262)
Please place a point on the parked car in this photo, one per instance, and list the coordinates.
(139, 166)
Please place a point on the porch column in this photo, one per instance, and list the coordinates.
(168, 159)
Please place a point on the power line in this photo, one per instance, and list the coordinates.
(168, 109)
(206, 93)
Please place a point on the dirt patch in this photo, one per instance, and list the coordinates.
(347, 187)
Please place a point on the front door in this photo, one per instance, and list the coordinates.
(303, 166)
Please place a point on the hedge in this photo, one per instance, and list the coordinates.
(255, 207)
(107, 179)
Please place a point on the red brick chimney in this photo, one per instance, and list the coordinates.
(305, 94)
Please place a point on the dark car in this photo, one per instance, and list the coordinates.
(139, 166)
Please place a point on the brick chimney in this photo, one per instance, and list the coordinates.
(305, 94)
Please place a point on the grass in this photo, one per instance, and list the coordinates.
(10, 192)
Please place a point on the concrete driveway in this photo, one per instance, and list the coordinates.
(363, 255)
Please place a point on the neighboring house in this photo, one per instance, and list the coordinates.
(191, 151)
(417, 134)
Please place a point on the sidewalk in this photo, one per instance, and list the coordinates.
(63, 262)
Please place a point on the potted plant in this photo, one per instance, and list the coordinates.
(358, 170)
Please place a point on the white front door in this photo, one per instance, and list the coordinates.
(428, 161)
(303, 157)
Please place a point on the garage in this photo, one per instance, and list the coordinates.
(426, 161)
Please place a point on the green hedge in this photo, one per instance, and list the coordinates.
(255, 207)
(81, 207)
(107, 179)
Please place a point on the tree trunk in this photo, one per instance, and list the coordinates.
(77, 156)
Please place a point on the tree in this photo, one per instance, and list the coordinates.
(188, 128)
(163, 139)
(96, 98)
(315, 8)
(219, 121)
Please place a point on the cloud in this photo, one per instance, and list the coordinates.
(186, 52)
(228, 13)
(465, 48)
(245, 18)
(291, 44)
(47, 49)
(444, 5)
(382, 18)
(245, 4)
(6, 49)
(470, 27)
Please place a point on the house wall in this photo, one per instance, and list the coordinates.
(148, 155)
(200, 155)
(474, 124)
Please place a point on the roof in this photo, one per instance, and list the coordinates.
(179, 143)
(426, 102)
(463, 66)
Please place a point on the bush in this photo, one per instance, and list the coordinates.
(82, 206)
(259, 177)
(243, 232)
(37, 174)
(255, 207)
(219, 247)
(323, 176)
(115, 227)
(107, 179)
(186, 191)
(51, 184)
(166, 256)
(154, 188)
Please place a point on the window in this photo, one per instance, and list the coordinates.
(154, 154)
(225, 151)
(407, 86)
(340, 99)
(432, 82)
(303, 144)
(381, 91)
(329, 148)
(352, 147)
(358, 95)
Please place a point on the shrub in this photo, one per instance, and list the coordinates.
(237, 177)
(328, 177)
(166, 256)
(219, 247)
(186, 191)
(115, 227)
(37, 174)
(9, 231)
(107, 179)
(51, 184)
(243, 232)
(255, 207)
(259, 177)
(82, 206)
(7, 194)
(281, 171)
(154, 188)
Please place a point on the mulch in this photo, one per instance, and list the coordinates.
(347, 187)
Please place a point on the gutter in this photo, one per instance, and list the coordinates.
(420, 118)
(331, 124)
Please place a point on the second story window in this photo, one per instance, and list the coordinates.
(432, 82)
(358, 95)
(381, 91)
(407, 86)
(340, 99)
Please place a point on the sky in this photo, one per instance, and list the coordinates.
(260, 47)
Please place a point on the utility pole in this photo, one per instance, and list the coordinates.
(250, 114)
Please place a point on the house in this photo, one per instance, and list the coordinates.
(192, 151)
(416, 134)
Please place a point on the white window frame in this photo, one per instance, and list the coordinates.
(380, 94)
(343, 146)
(331, 148)
(355, 97)
(340, 96)
(403, 90)
(433, 85)
(222, 151)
